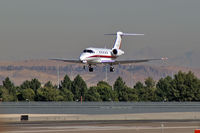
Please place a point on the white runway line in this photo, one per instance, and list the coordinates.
(93, 128)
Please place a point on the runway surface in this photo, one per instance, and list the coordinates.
(96, 107)
(102, 127)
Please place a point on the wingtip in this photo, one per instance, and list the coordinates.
(164, 58)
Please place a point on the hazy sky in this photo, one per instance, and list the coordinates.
(42, 29)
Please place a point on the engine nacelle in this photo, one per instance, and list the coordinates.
(117, 52)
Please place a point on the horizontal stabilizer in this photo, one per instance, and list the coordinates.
(125, 34)
(119, 34)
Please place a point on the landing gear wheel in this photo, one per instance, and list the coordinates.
(112, 69)
(90, 69)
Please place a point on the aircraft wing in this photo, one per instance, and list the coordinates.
(67, 60)
(135, 61)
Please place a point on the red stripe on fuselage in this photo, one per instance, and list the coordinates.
(102, 56)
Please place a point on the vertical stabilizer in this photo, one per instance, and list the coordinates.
(118, 41)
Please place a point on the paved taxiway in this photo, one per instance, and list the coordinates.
(102, 127)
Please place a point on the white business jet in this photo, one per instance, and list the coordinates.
(92, 56)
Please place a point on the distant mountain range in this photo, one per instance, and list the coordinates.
(46, 70)
(189, 58)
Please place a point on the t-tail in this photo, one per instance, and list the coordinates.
(118, 41)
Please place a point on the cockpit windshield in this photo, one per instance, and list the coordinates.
(88, 51)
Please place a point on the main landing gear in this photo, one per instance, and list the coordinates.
(91, 69)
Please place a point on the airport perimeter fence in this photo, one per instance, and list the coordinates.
(96, 107)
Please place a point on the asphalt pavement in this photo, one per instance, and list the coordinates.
(102, 127)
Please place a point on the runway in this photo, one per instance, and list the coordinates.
(109, 117)
(102, 127)
(96, 107)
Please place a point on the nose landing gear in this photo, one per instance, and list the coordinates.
(112, 69)
(90, 68)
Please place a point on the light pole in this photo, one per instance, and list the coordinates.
(106, 73)
(58, 76)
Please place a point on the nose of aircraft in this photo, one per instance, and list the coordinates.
(81, 57)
